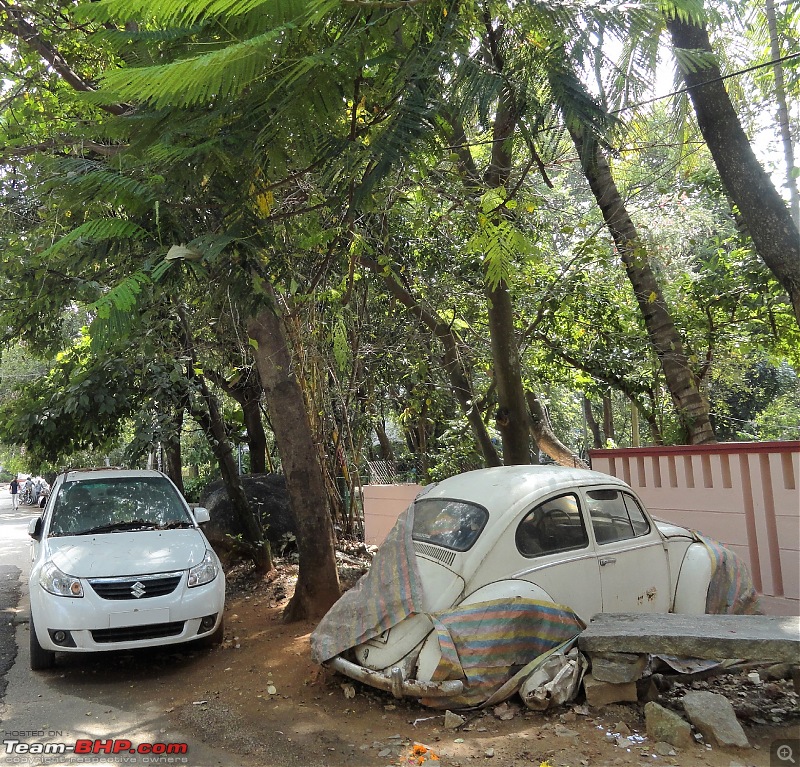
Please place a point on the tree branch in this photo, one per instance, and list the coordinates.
(28, 34)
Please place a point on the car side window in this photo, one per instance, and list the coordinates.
(555, 525)
(616, 516)
(639, 521)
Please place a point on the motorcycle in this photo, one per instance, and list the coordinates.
(26, 497)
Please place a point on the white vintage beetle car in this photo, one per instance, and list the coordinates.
(497, 565)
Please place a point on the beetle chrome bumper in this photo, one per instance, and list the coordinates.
(394, 682)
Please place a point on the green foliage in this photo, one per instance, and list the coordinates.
(454, 452)
(105, 229)
(78, 405)
(226, 73)
(502, 245)
(278, 142)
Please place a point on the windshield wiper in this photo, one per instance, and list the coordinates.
(119, 527)
(177, 523)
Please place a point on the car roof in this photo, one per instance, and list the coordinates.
(502, 487)
(80, 475)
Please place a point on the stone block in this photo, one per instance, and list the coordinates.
(666, 726)
(618, 667)
(714, 717)
(599, 693)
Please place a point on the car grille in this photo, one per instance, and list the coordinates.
(135, 633)
(131, 587)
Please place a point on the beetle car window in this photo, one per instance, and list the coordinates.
(452, 524)
(616, 516)
(116, 505)
(555, 525)
(638, 519)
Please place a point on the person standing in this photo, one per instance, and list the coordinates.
(14, 488)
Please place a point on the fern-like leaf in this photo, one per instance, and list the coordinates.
(98, 229)
(501, 245)
(222, 73)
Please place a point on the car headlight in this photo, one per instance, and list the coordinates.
(62, 585)
(205, 572)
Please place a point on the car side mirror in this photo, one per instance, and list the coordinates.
(201, 514)
(35, 528)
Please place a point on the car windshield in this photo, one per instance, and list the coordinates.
(452, 524)
(117, 505)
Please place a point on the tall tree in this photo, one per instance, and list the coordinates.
(318, 585)
(769, 222)
(690, 404)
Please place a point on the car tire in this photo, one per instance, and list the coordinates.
(41, 659)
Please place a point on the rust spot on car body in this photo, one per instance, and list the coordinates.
(650, 595)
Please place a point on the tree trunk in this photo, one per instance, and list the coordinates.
(172, 452)
(769, 222)
(318, 582)
(387, 453)
(591, 422)
(246, 390)
(256, 436)
(783, 111)
(542, 432)
(690, 405)
(512, 417)
(608, 420)
(513, 420)
(512, 412)
(213, 424)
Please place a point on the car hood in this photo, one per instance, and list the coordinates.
(126, 553)
(668, 530)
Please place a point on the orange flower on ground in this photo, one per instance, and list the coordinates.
(421, 753)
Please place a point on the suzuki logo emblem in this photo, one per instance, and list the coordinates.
(137, 589)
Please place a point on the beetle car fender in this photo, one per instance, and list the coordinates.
(507, 589)
(430, 654)
(691, 591)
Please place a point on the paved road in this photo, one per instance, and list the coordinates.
(86, 697)
(12, 536)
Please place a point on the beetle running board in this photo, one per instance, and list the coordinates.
(394, 683)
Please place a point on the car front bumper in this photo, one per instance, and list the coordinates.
(96, 624)
(392, 681)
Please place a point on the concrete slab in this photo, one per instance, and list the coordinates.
(716, 637)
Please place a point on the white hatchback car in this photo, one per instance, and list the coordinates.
(120, 562)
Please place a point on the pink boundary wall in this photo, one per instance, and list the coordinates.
(383, 504)
(744, 494)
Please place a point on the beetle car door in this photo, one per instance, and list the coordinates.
(634, 566)
(552, 550)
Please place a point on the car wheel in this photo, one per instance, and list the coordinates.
(41, 659)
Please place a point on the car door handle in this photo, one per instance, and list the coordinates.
(607, 561)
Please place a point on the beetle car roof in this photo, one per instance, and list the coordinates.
(502, 487)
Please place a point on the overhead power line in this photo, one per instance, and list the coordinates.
(721, 78)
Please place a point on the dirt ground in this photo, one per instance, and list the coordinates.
(260, 696)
